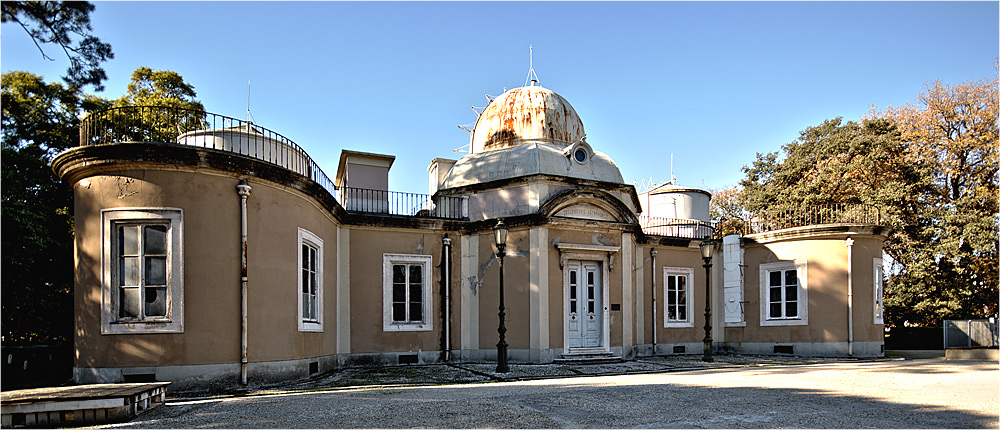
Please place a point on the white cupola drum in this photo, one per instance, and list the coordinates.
(676, 202)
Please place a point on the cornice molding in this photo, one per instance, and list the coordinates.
(818, 231)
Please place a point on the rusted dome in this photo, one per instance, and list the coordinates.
(530, 114)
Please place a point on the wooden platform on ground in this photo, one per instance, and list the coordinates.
(80, 404)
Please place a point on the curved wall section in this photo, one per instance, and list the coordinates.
(207, 351)
(828, 258)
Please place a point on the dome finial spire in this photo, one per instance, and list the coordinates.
(532, 77)
(249, 117)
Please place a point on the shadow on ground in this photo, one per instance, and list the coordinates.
(647, 396)
(568, 403)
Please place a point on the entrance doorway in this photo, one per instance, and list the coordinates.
(584, 313)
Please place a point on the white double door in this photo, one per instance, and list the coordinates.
(585, 310)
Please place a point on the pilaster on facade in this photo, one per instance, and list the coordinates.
(469, 293)
(343, 290)
(538, 300)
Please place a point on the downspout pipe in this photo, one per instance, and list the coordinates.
(652, 256)
(446, 293)
(850, 297)
(244, 192)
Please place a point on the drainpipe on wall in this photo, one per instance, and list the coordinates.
(445, 291)
(850, 298)
(652, 255)
(244, 191)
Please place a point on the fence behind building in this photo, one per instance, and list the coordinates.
(970, 334)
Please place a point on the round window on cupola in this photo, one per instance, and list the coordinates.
(579, 152)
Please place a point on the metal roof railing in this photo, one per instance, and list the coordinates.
(814, 215)
(179, 126)
(674, 227)
(369, 201)
(173, 125)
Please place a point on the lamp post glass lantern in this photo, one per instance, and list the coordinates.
(500, 238)
(707, 248)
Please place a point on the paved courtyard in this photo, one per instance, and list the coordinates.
(834, 394)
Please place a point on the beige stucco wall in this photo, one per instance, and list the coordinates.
(556, 307)
(586, 236)
(211, 226)
(866, 250)
(516, 287)
(673, 256)
(211, 254)
(211, 315)
(826, 285)
(274, 215)
(367, 248)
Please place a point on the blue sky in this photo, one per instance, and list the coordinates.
(713, 83)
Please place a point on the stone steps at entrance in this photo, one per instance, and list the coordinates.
(588, 358)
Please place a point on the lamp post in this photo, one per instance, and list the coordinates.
(707, 248)
(500, 239)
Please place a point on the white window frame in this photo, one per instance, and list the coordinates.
(878, 291)
(802, 300)
(173, 322)
(689, 296)
(388, 260)
(308, 238)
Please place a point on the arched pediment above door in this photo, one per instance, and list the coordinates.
(592, 205)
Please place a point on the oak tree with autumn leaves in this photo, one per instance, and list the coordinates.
(953, 272)
(930, 167)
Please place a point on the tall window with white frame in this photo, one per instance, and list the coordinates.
(406, 292)
(141, 271)
(310, 285)
(784, 293)
(877, 290)
(678, 296)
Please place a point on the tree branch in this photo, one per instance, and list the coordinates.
(33, 39)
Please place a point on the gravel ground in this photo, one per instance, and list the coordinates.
(437, 374)
(738, 392)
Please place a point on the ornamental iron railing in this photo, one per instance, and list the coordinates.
(673, 227)
(362, 200)
(172, 125)
(813, 215)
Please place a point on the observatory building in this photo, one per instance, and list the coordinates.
(214, 252)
